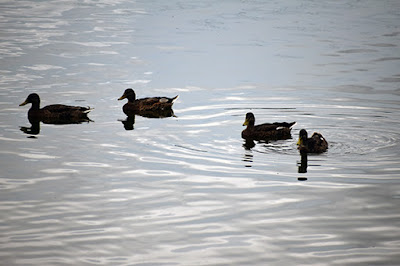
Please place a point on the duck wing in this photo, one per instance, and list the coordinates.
(266, 127)
(318, 142)
(153, 100)
(148, 100)
(274, 126)
(63, 114)
(285, 124)
(61, 108)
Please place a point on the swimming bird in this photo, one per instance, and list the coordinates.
(267, 131)
(55, 113)
(316, 144)
(145, 104)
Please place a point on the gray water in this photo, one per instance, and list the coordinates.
(186, 190)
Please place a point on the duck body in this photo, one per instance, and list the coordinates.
(55, 113)
(267, 131)
(316, 144)
(145, 104)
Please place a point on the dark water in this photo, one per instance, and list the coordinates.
(186, 190)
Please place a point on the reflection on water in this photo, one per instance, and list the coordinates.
(129, 121)
(156, 114)
(248, 158)
(303, 163)
(34, 129)
(187, 190)
(249, 144)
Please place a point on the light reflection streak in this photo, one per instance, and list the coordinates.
(87, 164)
(37, 156)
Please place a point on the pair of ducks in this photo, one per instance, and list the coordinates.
(75, 114)
(59, 113)
(274, 131)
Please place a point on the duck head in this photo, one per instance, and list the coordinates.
(302, 136)
(128, 94)
(32, 98)
(250, 120)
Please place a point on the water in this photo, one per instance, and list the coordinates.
(186, 190)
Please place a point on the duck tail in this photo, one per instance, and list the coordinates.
(174, 99)
(292, 124)
(88, 109)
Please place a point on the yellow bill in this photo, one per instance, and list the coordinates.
(24, 103)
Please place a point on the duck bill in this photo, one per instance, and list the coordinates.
(246, 122)
(299, 142)
(24, 103)
(122, 97)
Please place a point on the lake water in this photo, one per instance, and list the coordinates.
(186, 189)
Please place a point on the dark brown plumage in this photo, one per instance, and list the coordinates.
(145, 104)
(55, 113)
(316, 144)
(267, 131)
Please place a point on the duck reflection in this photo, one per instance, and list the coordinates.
(130, 119)
(302, 166)
(153, 113)
(248, 159)
(34, 129)
(248, 144)
(128, 122)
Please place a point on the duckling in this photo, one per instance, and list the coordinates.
(145, 104)
(266, 131)
(316, 144)
(55, 113)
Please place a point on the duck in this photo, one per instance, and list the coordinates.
(55, 113)
(267, 131)
(316, 144)
(145, 104)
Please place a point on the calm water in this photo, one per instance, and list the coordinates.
(186, 190)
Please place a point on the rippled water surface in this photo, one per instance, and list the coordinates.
(186, 189)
